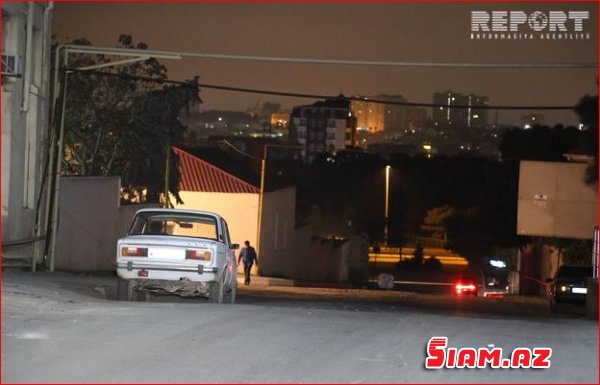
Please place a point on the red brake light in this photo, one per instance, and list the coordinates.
(134, 252)
(461, 288)
(201, 255)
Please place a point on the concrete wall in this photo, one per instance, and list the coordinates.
(91, 220)
(555, 202)
(332, 261)
(329, 250)
(277, 247)
(549, 262)
(24, 121)
(537, 263)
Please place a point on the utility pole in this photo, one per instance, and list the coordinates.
(262, 189)
(167, 174)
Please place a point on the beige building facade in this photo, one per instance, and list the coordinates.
(554, 200)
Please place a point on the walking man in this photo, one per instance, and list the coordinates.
(249, 257)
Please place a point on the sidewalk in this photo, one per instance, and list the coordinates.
(265, 281)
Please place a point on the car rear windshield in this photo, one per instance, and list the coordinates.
(574, 271)
(180, 225)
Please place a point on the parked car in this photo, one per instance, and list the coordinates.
(495, 276)
(568, 285)
(182, 252)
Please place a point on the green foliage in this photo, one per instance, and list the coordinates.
(116, 125)
(578, 253)
(549, 144)
(434, 221)
(572, 251)
(418, 255)
(539, 143)
(433, 264)
(408, 265)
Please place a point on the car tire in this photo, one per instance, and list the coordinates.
(216, 291)
(123, 290)
(553, 305)
(141, 296)
(126, 292)
(232, 292)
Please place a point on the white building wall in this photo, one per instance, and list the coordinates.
(554, 201)
(24, 121)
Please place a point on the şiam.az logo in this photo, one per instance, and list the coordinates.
(439, 356)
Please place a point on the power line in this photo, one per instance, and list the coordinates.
(311, 96)
(225, 141)
(201, 55)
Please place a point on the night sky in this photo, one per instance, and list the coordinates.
(426, 32)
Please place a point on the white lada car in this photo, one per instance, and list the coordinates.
(181, 252)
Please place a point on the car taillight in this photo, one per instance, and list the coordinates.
(460, 288)
(493, 295)
(201, 255)
(134, 252)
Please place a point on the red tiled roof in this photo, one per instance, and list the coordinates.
(199, 175)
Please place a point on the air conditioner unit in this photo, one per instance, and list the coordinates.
(11, 65)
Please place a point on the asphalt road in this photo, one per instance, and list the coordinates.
(58, 328)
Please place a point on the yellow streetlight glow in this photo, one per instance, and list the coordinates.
(387, 203)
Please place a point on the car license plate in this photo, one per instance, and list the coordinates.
(579, 290)
(167, 254)
(142, 273)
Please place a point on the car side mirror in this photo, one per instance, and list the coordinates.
(235, 246)
(549, 280)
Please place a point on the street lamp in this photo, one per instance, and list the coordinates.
(387, 203)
